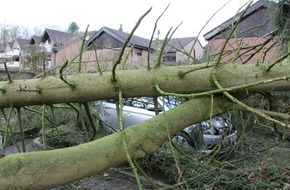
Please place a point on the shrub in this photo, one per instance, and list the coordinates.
(63, 136)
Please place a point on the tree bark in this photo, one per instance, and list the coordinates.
(141, 82)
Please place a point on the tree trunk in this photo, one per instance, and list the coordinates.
(141, 82)
(44, 169)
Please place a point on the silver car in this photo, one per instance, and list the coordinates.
(203, 136)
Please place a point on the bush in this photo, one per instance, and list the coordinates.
(63, 136)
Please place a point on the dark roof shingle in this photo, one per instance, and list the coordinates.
(246, 22)
(121, 36)
(34, 39)
(57, 37)
(22, 42)
(178, 43)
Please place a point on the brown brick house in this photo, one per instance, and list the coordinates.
(106, 44)
(182, 50)
(53, 41)
(252, 41)
(102, 48)
(70, 51)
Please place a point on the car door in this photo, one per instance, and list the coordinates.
(135, 111)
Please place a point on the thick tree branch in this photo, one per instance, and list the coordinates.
(44, 169)
(142, 82)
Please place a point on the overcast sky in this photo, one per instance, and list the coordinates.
(111, 13)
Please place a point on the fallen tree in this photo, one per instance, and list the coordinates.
(142, 82)
(43, 169)
(40, 170)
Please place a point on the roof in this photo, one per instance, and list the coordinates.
(121, 36)
(9, 44)
(89, 33)
(81, 35)
(178, 43)
(261, 4)
(57, 37)
(22, 42)
(34, 39)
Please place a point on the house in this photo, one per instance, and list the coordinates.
(63, 46)
(102, 47)
(252, 41)
(57, 47)
(6, 52)
(182, 50)
(14, 54)
(106, 44)
(52, 41)
(70, 51)
(98, 50)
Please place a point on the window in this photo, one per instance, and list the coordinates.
(138, 52)
(15, 58)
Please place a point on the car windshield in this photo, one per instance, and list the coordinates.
(139, 109)
(168, 102)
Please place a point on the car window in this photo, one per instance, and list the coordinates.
(148, 102)
(137, 102)
(170, 101)
(142, 102)
(112, 100)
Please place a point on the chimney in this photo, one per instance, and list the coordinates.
(121, 28)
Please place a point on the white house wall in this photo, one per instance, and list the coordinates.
(47, 45)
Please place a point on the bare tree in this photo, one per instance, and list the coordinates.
(9, 33)
(34, 58)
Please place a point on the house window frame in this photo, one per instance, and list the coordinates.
(138, 52)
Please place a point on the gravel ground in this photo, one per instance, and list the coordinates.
(113, 179)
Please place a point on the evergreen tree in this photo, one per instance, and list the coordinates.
(281, 18)
(73, 28)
